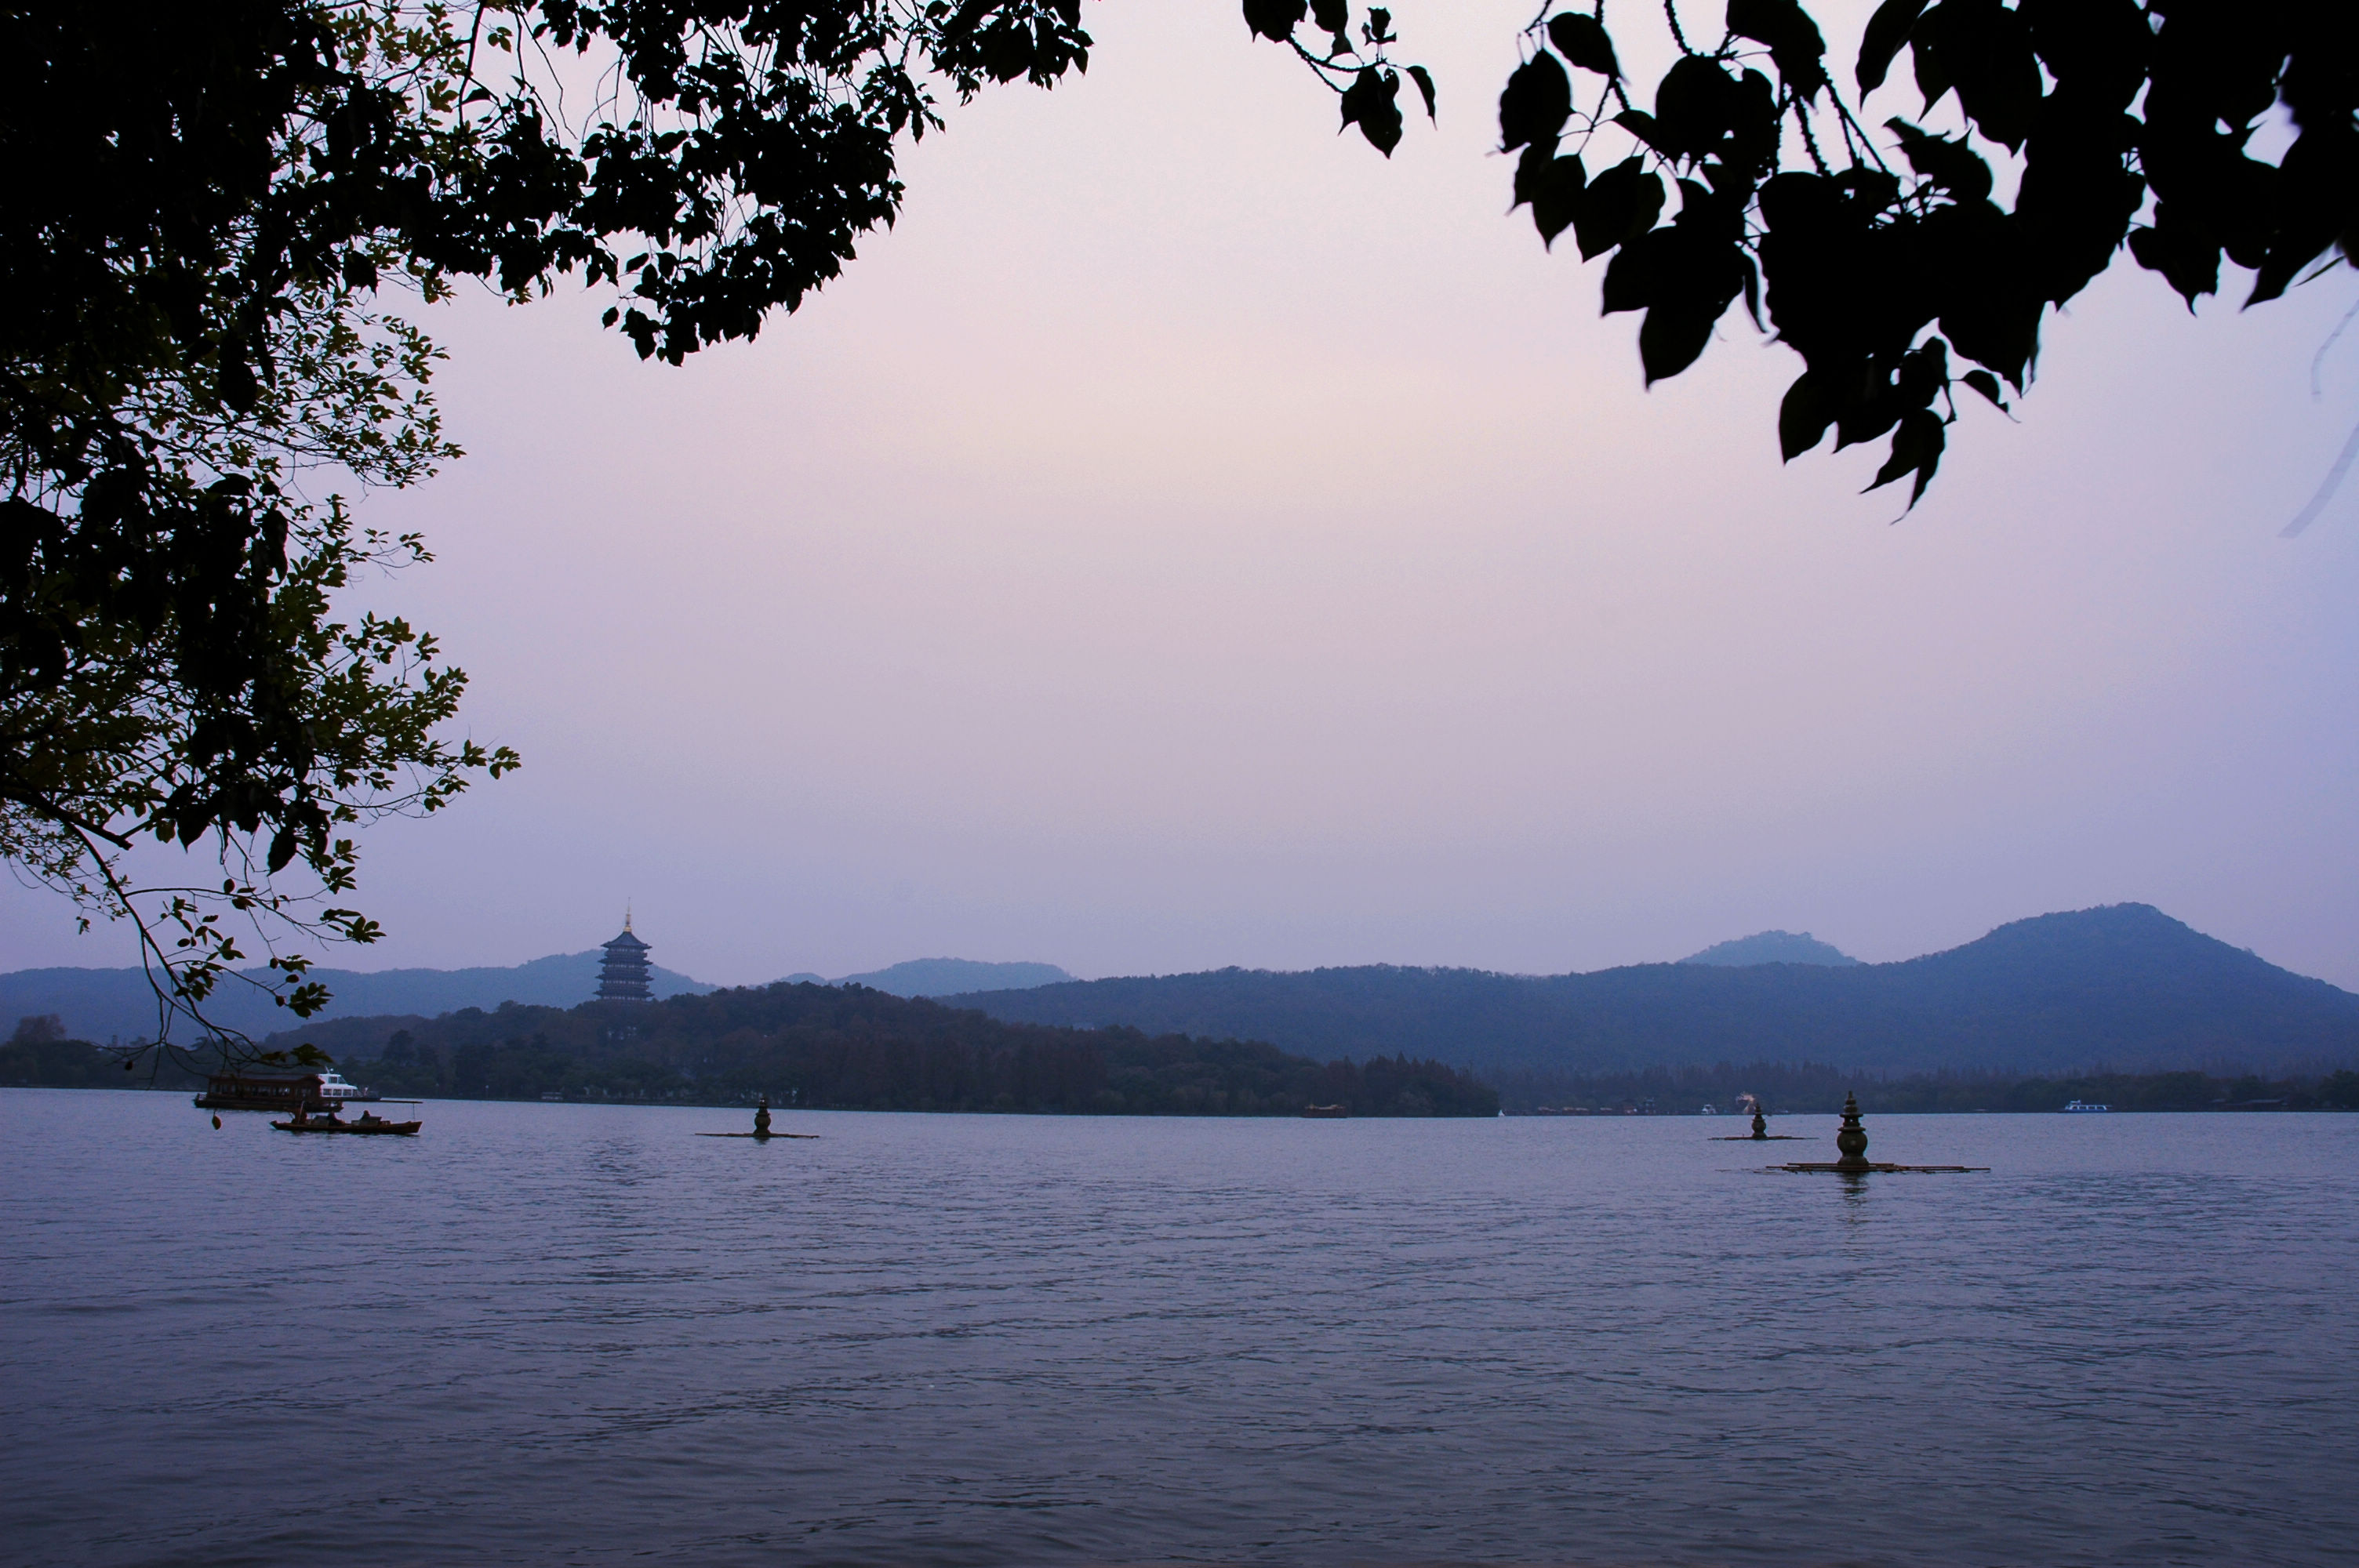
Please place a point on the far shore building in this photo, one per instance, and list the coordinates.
(623, 972)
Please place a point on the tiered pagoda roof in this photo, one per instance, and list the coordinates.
(623, 972)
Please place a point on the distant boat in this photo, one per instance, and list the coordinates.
(311, 1091)
(369, 1122)
(1327, 1112)
(2083, 1105)
(335, 1091)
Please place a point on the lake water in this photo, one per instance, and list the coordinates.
(565, 1334)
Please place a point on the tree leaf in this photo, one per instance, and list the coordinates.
(1529, 169)
(1994, 326)
(1673, 337)
(1982, 381)
(1630, 276)
(1536, 104)
(1924, 372)
(1887, 31)
(1916, 449)
(1424, 80)
(1556, 191)
(2098, 49)
(1794, 40)
(1372, 101)
(2314, 201)
(1932, 75)
(1986, 49)
(1620, 204)
(1275, 19)
(1585, 41)
(1695, 105)
(2187, 262)
(1641, 125)
(1753, 127)
(1802, 418)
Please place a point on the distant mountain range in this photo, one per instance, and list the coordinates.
(1771, 948)
(2124, 987)
(110, 1004)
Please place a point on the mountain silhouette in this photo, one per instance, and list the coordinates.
(1771, 948)
(946, 977)
(2124, 986)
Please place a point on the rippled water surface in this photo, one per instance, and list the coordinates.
(580, 1335)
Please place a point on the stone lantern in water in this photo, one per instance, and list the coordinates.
(1850, 1141)
(1851, 1138)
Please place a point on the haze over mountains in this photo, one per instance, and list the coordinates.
(2125, 987)
(947, 977)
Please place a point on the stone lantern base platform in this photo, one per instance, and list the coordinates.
(1844, 1168)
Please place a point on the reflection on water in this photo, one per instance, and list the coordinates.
(574, 1333)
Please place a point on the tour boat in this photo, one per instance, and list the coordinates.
(336, 1091)
(2080, 1106)
(1327, 1112)
(311, 1091)
(244, 1091)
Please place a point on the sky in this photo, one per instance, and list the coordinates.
(1191, 539)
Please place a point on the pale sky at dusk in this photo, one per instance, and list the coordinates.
(1189, 539)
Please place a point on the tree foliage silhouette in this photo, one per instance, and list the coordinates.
(207, 205)
(1896, 265)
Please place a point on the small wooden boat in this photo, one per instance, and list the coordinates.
(368, 1123)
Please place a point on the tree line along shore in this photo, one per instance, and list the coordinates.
(855, 1049)
(847, 1048)
(1817, 1089)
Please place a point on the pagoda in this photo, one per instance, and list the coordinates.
(623, 972)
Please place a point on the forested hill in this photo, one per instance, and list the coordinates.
(852, 1048)
(2125, 987)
